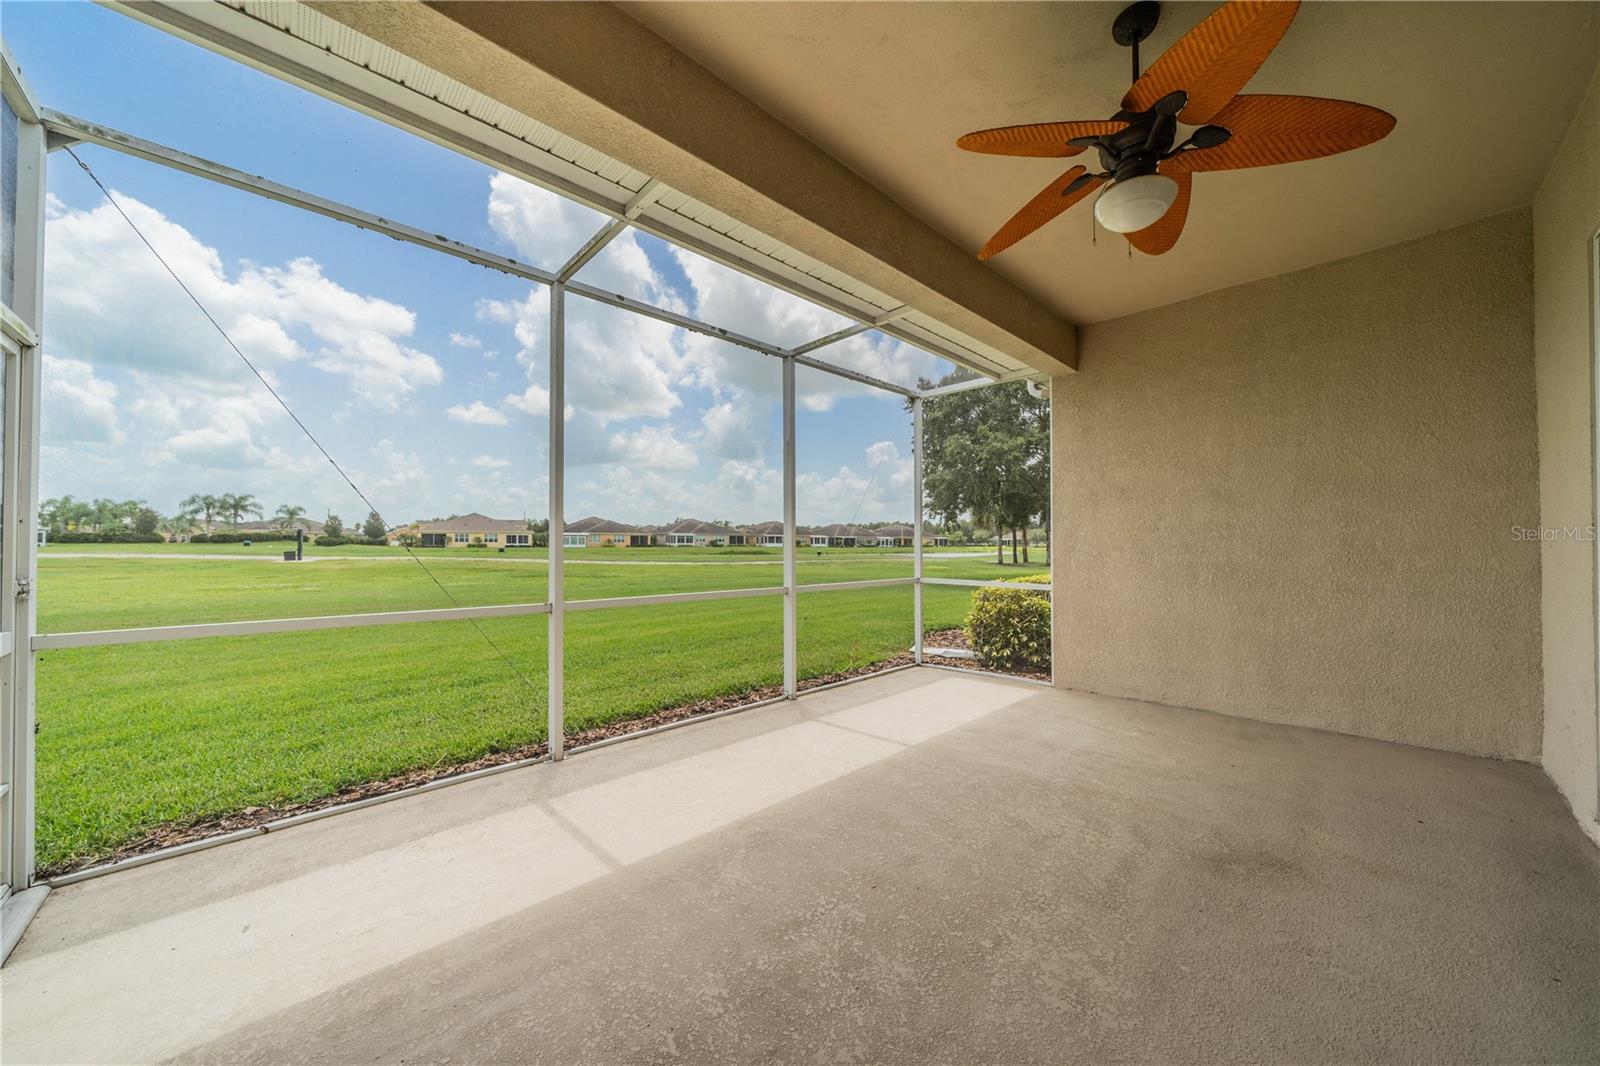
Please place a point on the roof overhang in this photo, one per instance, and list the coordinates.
(732, 182)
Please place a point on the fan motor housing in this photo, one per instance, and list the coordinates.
(1140, 148)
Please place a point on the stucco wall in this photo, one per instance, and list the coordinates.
(1566, 214)
(1292, 500)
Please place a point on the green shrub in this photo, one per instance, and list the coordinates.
(326, 541)
(104, 538)
(1009, 629)
(259, 537)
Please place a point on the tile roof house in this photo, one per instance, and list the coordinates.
(842, 535)
(597, 532)
(895, 535)
(310, 525)
(767, 534)
(692, 532)
(474, 529)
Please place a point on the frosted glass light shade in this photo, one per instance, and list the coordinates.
(1135, 203)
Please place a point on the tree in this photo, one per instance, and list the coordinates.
(373, 528)
(146, 521)
(63, 514)
(234, 506)
(333, 526)
(986, 455)
(204, 506)
(287, 514)
(177, 526)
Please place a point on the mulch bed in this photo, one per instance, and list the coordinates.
(175, 833)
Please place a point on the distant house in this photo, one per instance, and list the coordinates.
(766, 534)
(691, 532)
(597, 532)
(310, 525)
(938, 540)
(463, 531)
(895, 535)
(842, 535)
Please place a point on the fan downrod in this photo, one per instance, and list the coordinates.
(1136, 22)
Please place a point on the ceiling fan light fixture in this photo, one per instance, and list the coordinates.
(1134, 203)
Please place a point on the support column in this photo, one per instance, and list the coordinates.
(557, 552)
(916, 526)
(791, 594)
(20, 494)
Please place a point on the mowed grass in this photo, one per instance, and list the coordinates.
(133, 736)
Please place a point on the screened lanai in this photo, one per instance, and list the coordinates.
(592, 278)
(532, 532)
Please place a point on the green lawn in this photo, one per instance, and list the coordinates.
(132, 736)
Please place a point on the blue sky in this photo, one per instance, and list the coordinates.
(424, 376)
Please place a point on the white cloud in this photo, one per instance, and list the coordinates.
(545, 229)
(476, 413)
(882, 452)
(490, 462)
(736, 429)
(122, 307)
(881, 490)
(533, 400)
(652, 448)
(619, 365)
(78, 406)
(393, 472)
(465, 340)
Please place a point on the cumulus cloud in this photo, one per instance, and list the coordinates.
(881, 488)
(476, 413)
(465, 340)
(123, 308)
(78, 405)
(736, 429)
(533, 400)
(490, 462)
(653, 448)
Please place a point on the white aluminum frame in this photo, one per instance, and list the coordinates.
(21, 325)
(56, 129)
(261, 43)
(916, 528)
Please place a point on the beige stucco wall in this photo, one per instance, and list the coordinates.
(1292, 500)
(1566, 214)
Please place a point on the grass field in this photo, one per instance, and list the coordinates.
(133, 736)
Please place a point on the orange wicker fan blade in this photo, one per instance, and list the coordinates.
(1213, 61)
(1042, 139)
(1039, 210)
(1164, 233)
(1284, 129)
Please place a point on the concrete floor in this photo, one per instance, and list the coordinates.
(921, 867)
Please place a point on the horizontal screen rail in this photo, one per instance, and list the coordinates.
(966, 583)
(106, 137)
(96, 638)
(670, 597)
(671, 318)
(76, 129)
(871, 583)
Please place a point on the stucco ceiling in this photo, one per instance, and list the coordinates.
(1483, 93)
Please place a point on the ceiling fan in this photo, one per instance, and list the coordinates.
(1196, 82)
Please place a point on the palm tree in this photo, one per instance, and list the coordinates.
(63, 514)
(204, 505)
(286, 514)
(176, 526)
(234, 506)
